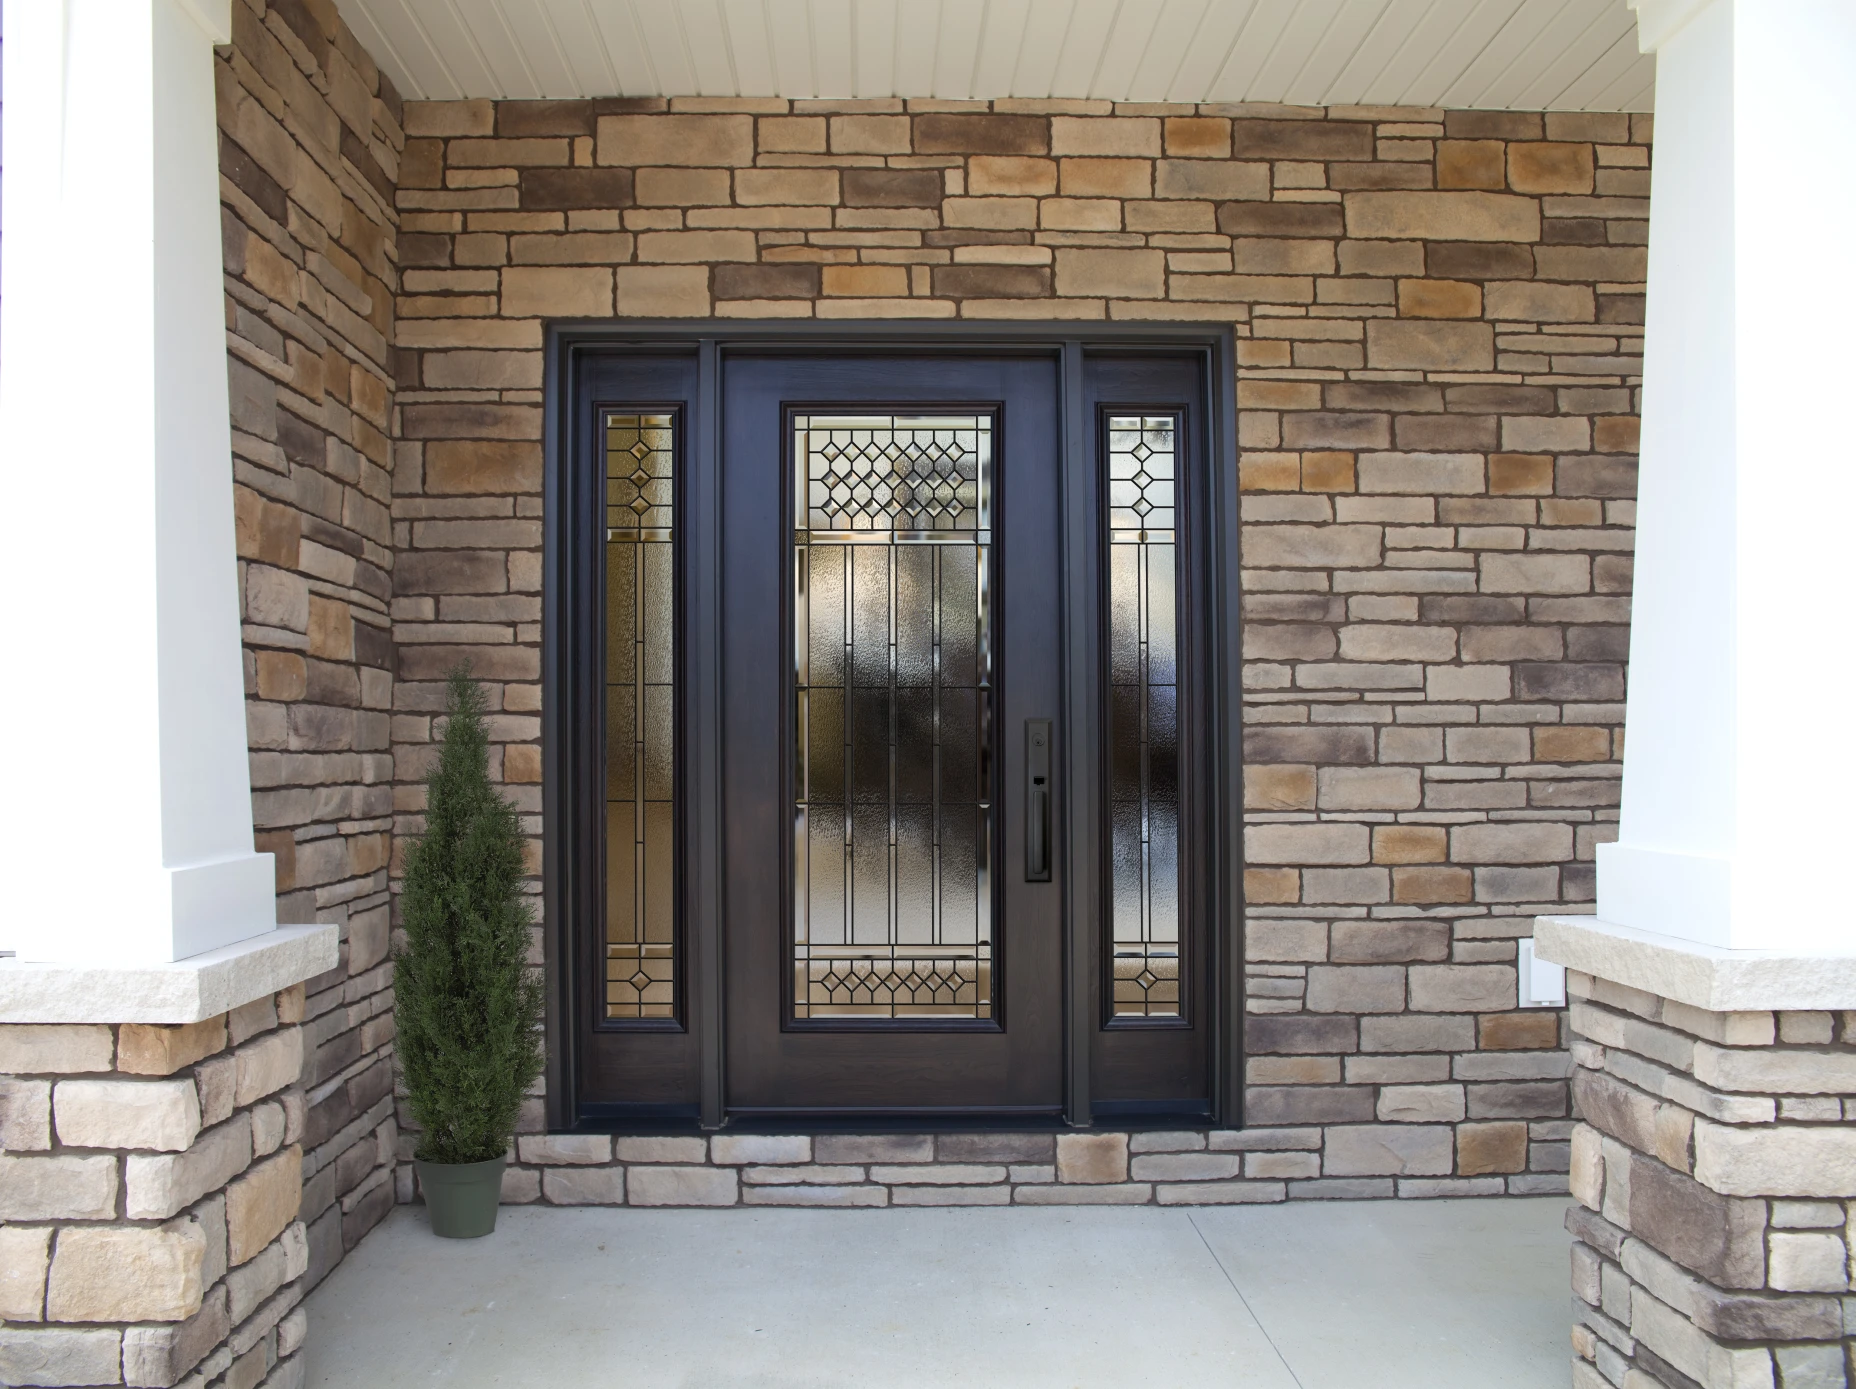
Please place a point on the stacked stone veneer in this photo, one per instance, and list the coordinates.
(310, 139)
(149, 1192)
(1715, 1177)
(1436, 315)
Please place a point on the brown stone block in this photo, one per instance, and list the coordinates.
(690, 141)
(447, 118)
(866, 281)
(1281, 1034)
(1198, 137)
(1719, 1237)
(266, 530)
(1269, 472)
(1572, 744)
(1616, 433)
(1457, 260)
(766, 281)
(1213, 179)
(1349, 177)
(454, 466)
(282, 675)
(1470, 164)
(1525, 301)
(1120, 274)
(792, 135)
(1439, 299)
(522, 763)
(1388, 942)
(554, 190)
(891, 188)
(1616, 264)
(996, 214)
(1520, 474)
(148, 1050)
(1409, 844)
(422, 164)
(1011, 177)
(1328, 472)
(1264, 886)
(1331, 746)
(1432, 885)
(1492, 125)
(981, 134)
(682, 187)
(1536, 1029)
(1106, 178)
(667, 291)
(1313, 140)
(527, 119)
(1279, 787)
(1430, 346)
(1540, 166)
(331, 629)
(260, 1203)
(507, 154)
(1305, 1104)
(1279, 219)
(1450, 216)
(1484, 1148)
(1446, 433)
(1261, 256)
(992, 281)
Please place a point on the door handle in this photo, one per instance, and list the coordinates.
(1037, 800)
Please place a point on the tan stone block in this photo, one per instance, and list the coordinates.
(1616, 433)
(696, 247)
(1370, 788)
(1409, 844)
(583, 1186)
(869, 134)
(25, 1254)
(1422, 474)
(792, 134)
(682, 1186)
(681, 187)
(1079, 214)
(1214, 179)
(1106, 178)
(127, 1274)
(1094, 1158)
(556, 292)
(864, 281)
(990, 214)
(1010, 176)
(1119, 274)
(1542, 166)
(331, 629)
(522, 764)
(268, 1064)
(1282, 256)
(1442, 216)
(1425, 886)
(687, 141)
(160, 1114)
(787, 187)
(1125, 135)
(1272, 885)
(1537, 1029)
(1528, 301)
(1269, 472)
(1572, 744)
(1328, 844)
(1439, 299)
(1486, 1148)
(261, 1203)
(268, 272)
(1198, 137)
(54, 1049)
(1269, 786)
(1328, 472)
(1520, 474)
(148, 1050)
(447, 118)
(1470, 164)
(663, 291)
(159, 1186)
(1424, 345)
(25, 1115)
(59, 1187)
(477, 466)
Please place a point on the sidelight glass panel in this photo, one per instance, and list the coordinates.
(640, 718)
(892, 681)
(1143, 718)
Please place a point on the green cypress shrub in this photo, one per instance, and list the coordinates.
(467, 1006)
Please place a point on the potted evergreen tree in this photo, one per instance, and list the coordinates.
(467, 1005)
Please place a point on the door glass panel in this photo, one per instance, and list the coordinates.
(1143, 718)
(892, 686)
(640, 722)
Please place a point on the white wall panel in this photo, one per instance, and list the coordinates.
(1525, 54)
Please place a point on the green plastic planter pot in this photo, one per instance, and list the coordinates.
(462, 1196)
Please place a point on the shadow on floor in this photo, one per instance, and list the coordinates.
(1365, 1295)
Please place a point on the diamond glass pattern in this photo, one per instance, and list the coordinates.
(892, 796)
(641, 954)
(1143, 718)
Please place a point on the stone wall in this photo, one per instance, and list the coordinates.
(149, 1191)
(310, 140)
(1438, 345)
(1715, 1177)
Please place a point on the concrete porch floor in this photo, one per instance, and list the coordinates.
(1436, 1294)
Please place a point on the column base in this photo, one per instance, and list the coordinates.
(1702, 976)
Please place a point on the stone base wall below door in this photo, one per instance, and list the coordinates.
(1222, 1167)
(1715, 1182)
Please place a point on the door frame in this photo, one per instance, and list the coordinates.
(569, 780)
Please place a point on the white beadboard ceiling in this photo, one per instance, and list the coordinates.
(1565, 55)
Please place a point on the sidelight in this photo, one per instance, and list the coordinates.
(640, 720)
(1143, 718)
(892, 709)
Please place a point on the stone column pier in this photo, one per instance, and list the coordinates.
(1714, 993)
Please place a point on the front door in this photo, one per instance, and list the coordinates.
(892, 658)
(888, 689)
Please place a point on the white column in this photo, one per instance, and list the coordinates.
(1739, 811)
(128, 834)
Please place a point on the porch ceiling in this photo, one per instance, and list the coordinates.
(1519, 54)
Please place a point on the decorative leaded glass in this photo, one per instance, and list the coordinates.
(640, 688)
(892, 796)
(1143, 717)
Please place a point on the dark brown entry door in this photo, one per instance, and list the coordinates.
(891, 659)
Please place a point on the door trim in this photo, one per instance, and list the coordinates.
(564, 668)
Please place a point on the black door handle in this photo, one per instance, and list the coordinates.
(1037, 800)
